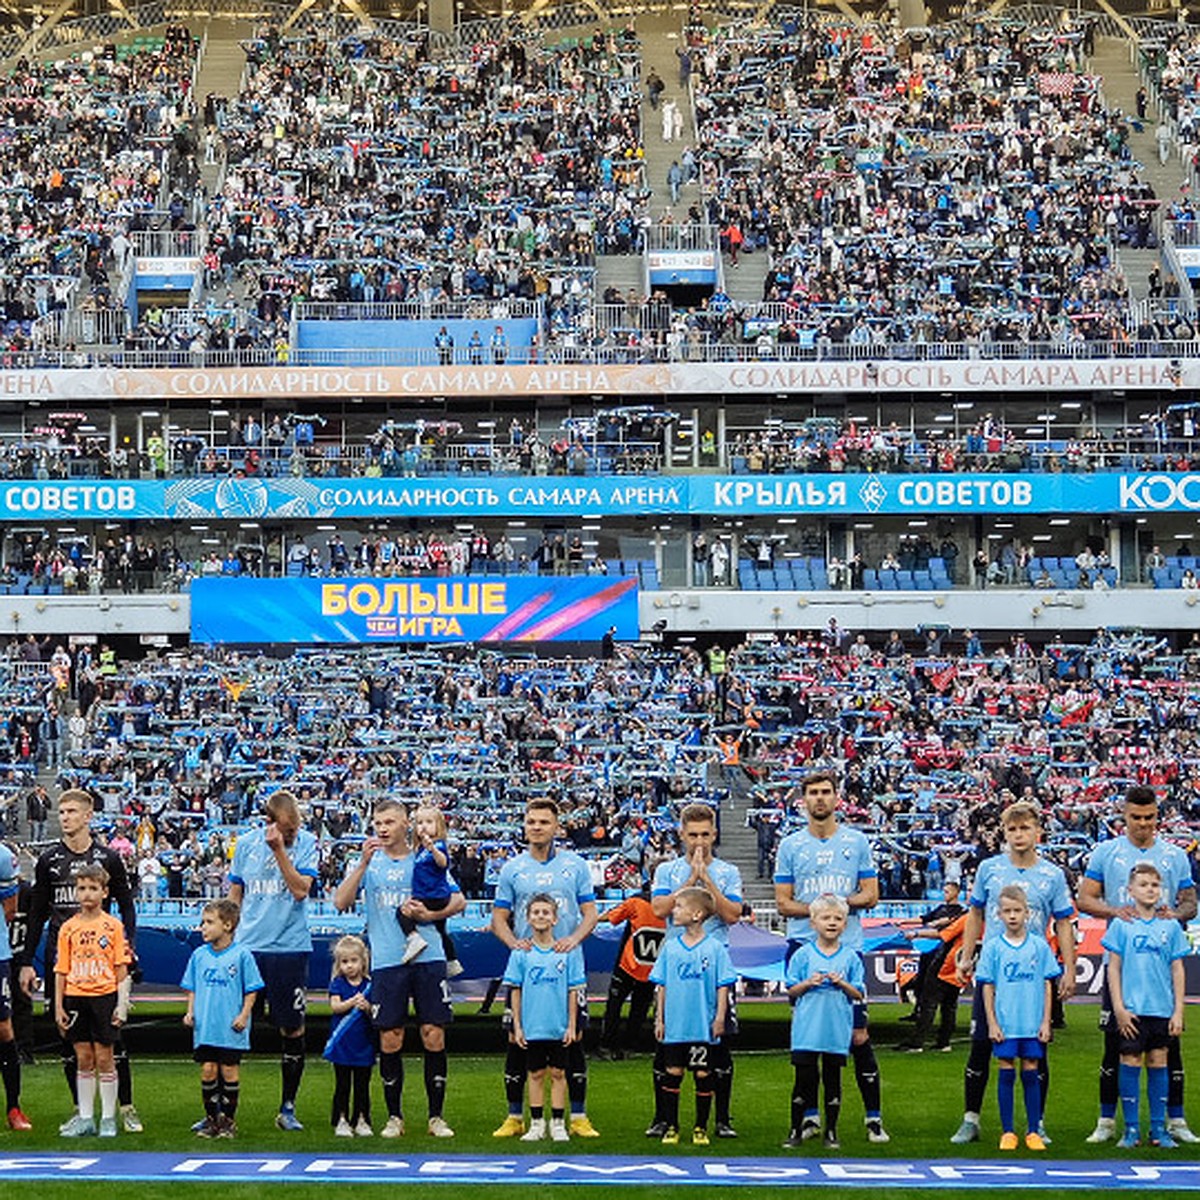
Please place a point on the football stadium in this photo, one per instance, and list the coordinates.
(599, 594)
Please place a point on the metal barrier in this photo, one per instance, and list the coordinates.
(168, 243)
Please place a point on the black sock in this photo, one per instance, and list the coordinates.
(231, 1091)
(558, 1114)
(577, 1077)
(514, 1079)
(866, 1073)
(435, 1081)
(704, 1099)
(391, 1071)
(804, 1091)
(210, 1093)
(660, 1078)
(976, 1079)
(722, 1085)
(670, 1098)
(70, 1068)
(535, 1112)
(124, 1074)
(10, 1072)
(291, 1066)
(831, 1077)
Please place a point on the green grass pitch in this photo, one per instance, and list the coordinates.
(922, 1100)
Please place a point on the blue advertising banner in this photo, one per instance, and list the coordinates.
(354, 610)
(243, 499)
(654, 1168)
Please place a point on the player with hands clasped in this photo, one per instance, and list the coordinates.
(699, 867)
(693, 977)
(547, 986)
(1145, 984)
(1014, 974)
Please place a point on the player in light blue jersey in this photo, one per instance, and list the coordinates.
(221, 980)
(383, 874)
(698, 866)
(693, 978)
(1103, 892)
(1146, 983)
(825, 980)
(1049, 899)
(826, 857)
(272, 876)
(564, 876)
(1014, 973)
(10, 1060)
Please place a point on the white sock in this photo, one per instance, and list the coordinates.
(85, 1087)
(108, 1095)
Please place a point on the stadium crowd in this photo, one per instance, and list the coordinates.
(972, 187)
(933, 733)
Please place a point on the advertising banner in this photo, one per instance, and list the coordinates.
(238, 498)
(355, 610)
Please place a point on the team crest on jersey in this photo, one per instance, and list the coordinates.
(103, 943)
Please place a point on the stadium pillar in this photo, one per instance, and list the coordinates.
(441, 16)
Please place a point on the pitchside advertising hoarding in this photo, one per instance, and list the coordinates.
(354, 611)
(242, 499)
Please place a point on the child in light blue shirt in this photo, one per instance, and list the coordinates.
(692, 978)
(825, 979)
(1146, 983)
(1014, 971)
(221, 980)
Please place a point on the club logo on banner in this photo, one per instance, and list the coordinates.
(357, 610)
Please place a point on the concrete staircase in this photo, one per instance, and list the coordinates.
(220, 75)
(1121, 81)
(739, 842)
(660, 34)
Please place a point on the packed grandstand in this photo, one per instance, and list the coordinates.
(649, 409)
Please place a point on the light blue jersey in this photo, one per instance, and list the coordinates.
(564, 875)
(273, 920)
(671, 875)
(1044, 885)
(1111, 862)
(220, 981)
(386, 884)
(1018, 973)
(690, 976)
(9, 883)
(823, 1018)
(545, 977)
(837, 864)
(1147, 949)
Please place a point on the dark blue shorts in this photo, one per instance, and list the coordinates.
(424, 984)
(1019, 1048)
(1153, 1033)
(285, 993)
